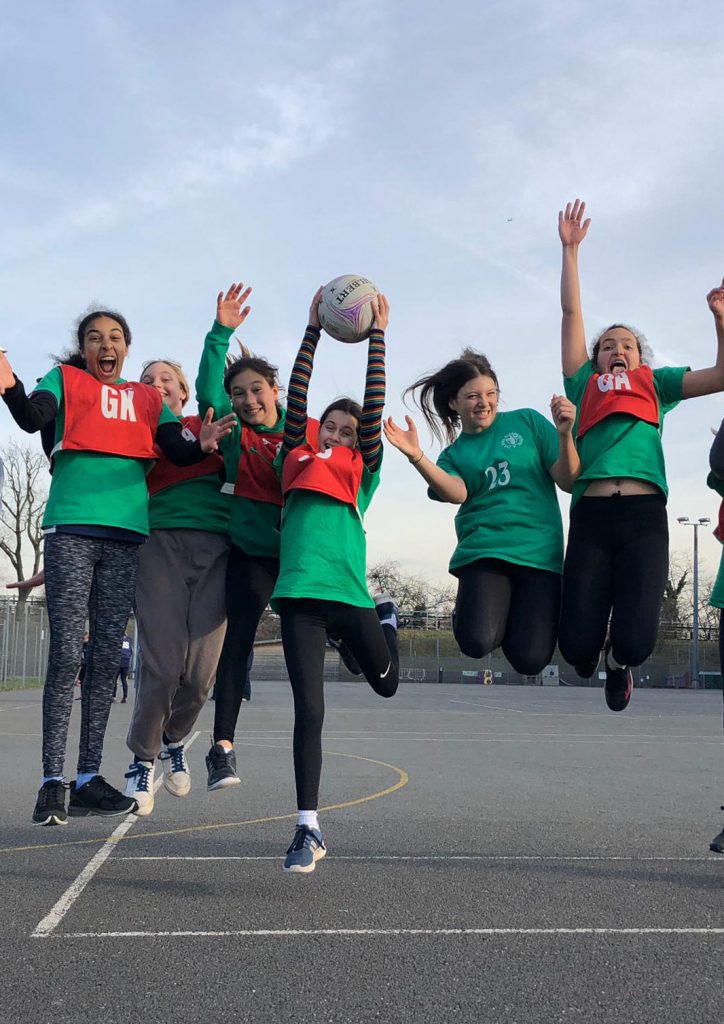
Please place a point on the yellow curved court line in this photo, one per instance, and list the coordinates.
(402, 780)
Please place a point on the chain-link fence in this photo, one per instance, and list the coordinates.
(428, 654)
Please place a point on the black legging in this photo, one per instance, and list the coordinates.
(617, 564)
(305, 623)
(721, 652)
(250, 581)
(513, 606)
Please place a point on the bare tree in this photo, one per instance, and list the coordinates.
(23, 503)
(407, 590)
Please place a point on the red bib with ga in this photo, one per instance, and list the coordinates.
(631, 392)
(256, 476)
(165, 473)
(118, 419)
(336, 472)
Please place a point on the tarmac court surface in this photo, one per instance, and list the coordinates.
(502, 854)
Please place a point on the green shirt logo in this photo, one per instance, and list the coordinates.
(512, 440)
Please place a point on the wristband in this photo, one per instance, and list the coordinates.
(414, 462)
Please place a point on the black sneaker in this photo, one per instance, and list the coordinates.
(98, 797)
(50, 805)
(717, 843)
(619, 684)
(221, 765)
(306, 849)
(348, 659)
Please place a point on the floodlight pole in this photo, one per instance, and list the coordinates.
(701, 521)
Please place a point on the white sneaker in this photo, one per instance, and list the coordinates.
(176, 775)
(140, 785)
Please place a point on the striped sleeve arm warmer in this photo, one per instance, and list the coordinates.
(374, 402)
(296, 420)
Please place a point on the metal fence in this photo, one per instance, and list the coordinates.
(428, 653)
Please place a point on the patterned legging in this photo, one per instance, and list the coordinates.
(93, 578)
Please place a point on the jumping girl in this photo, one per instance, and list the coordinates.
(95, 520)
(180, 602)
(618, 544)
(501, 468)
(328, 483)
(248, 386)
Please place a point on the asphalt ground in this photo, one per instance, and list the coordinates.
(500, 854)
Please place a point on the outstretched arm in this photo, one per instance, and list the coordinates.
(295, 424)
(567, 467)
(573, 337)
(230, 314)
(711, 380)
(447, 487)
(374, 401)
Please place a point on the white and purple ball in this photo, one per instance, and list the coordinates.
(345, 311)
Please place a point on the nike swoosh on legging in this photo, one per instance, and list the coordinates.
(384, 674)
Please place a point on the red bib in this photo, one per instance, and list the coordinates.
(165, 473)
(256, 477)
(632, 392)
(118, 419)
(336, 472)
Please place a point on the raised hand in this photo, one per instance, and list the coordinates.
(563, 412)
(7, 377)
(406, 441)
(314, 308)
(229, 311)
(381, 310)
(213, 430)
(570, 229)
(715, 299)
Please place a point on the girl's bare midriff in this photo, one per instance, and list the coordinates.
(616, 486)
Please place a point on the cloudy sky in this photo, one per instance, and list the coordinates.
(154, 152)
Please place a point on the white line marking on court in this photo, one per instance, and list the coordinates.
(434, 932)
(51, 921)
(450, 857)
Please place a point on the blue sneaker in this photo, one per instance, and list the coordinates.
(306, 849)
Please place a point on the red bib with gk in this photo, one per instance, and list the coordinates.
(336, 472)
(631, 392)
(165, 474)
(118, 419)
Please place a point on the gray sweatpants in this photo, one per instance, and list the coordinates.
(181, 615)
(84, 576)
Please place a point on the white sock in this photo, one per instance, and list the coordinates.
(310, 819)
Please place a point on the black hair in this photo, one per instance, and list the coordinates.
(92, 315)
(347, 405)
(439, 388)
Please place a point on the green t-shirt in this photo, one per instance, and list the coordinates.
(93, 488)
(511, 511)
(253, 525)
(717, 593)
(324, 549)
(622, 445)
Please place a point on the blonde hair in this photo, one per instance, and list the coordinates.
(177, 369)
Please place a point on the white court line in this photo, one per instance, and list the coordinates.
(51, 921)
(452, 857)
(434, 932)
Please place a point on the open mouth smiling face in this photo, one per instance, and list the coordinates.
(618, 351)
(105, 349)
